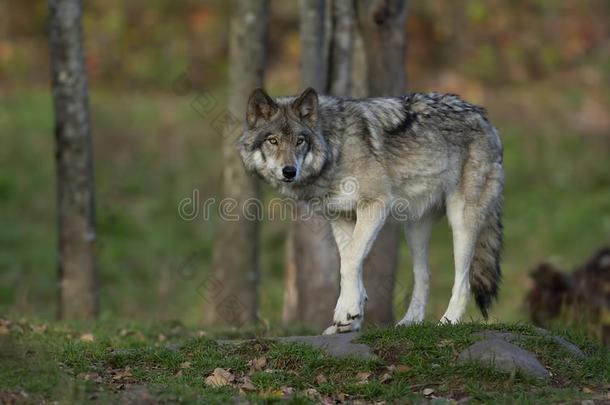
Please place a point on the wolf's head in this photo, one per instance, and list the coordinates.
(282, 141)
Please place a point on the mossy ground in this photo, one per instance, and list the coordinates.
(110, 363)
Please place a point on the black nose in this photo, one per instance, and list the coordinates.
(289, 172)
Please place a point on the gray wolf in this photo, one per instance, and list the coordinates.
(409, 159)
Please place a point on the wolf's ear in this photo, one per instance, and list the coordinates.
(306, 106)
(260, 108)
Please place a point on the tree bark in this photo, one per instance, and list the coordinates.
(78, 297)
(313, 44)
(231, 289)
(341, 46)
(382, 26)
(311, 277)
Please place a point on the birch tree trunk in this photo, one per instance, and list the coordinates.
(78, 298)
(382, 27)
(232, 287)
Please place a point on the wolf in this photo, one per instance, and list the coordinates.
(409, 159)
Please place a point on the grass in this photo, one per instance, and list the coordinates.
(110, 362)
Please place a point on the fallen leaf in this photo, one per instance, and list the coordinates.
(39, 328)
(87, 337)
(257, 364)
(122, 374)
(428, 391)
(287, 391)
(186, 364)
(95, 377)
(363, 376)
(328, 401)
(321, 379)
(342, 397)
(161, 337)
(219, 378)
(401, 368)
(3, 329)
(587, 390)
(312, 393)
(178, 373)
(386, 377)
(246, 384)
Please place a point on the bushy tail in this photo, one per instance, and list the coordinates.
(485, 274)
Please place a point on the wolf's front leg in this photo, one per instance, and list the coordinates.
(354, 242)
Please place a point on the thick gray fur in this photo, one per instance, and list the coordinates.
(423, 154)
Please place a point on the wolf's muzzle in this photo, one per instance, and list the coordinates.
(289, 172)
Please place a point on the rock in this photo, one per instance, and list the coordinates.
(511, 337)
(572, 348)
(505, 356)
(339, 345)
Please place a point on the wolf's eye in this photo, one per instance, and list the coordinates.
(272, 141)
(300, 141)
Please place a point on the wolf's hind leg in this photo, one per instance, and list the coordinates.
(418, 237)
(464, 239)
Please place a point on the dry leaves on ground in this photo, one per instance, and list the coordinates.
(363, 377)
(219, 378)
(257, 364)
(87, 337)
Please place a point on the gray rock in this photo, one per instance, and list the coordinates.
(505, 356)
(511, 337)
(571, 347)
(339, 345)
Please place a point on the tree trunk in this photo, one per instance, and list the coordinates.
(312, 263)
(382, 26)
(311, 277)
(231, 289)
(313, 50)
(74, 160)
(341, 47)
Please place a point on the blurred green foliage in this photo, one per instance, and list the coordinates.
(147, 43)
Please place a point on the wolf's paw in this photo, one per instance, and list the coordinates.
(414, 315)
(349, 315)
(354, 324)
(406, 321)
(447, 320)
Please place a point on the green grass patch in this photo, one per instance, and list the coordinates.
(114, 362)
